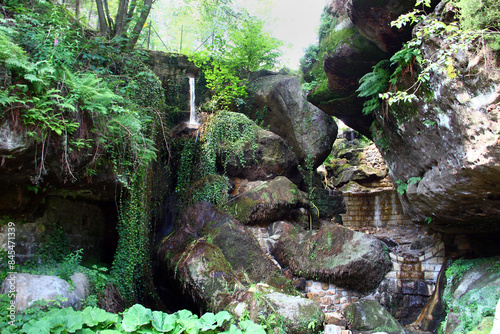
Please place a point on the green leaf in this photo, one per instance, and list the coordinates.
(249, 327)
(163, 322)
(135, 317)
(93, 316)
(222, 317)
(208, 322)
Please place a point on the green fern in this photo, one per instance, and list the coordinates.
(372, 84)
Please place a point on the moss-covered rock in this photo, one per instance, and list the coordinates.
(266, 158)
(368, 316)
(239, 247)
(471, 295)
(334, 254)
(267, 202)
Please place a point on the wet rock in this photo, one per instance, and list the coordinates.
(268, 158)
(282, 105)
(335, 254)
(368, 316)
(267, 202)
(30, 288)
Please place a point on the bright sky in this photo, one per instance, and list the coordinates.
(293, 21)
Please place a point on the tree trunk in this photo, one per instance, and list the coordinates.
(121, 17)
(103, 26)
(77, 9)
(134, 36)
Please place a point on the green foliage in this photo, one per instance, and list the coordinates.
(228, 62)
(9, 49)
(136, 319)
(483, 17)
(372, 85)
(402, 185)
(52, 266)
(477, 303)
(131, 264)
(227, 133)
(214, 189)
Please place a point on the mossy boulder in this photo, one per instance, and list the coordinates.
(471, 295)
(335, 254)
(368, 316)
(289, 314)
(267, 202)
(299, 315)
(202, 221)
(264, 159)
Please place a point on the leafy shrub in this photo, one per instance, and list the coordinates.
(136, 319)
(481, 15)
(227, 132)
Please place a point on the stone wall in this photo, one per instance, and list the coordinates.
(379, 208)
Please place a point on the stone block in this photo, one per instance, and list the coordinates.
(345, 300)
(332, 329)
(321, 293)
(325, 286)
(391, 274)
(326, 301)
(431, 275)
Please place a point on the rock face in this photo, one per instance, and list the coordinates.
(282, 105)
(301, 316)
(373, 21)
(451, 143)
(270, 158)
(268, 201)
(31, 288)
(367, 316)
(345, 63)
(334, 254)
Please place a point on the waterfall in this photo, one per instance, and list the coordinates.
(192, 108)
(377, 212)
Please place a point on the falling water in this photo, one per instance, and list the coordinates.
(192, 108)
(377, 212)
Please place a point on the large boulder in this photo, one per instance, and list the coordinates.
(264, 159)
(368, 316)
(335, 254)
(282, 105)
(30, 288)
(239, 247)
(222, 267)
(268, 201)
